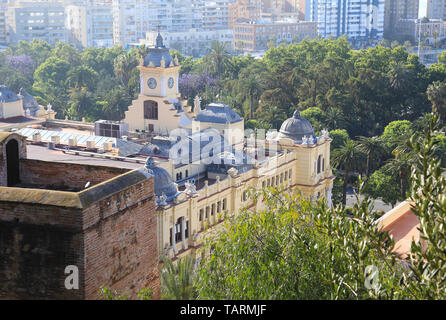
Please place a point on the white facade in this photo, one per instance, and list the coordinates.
(133, 18)
(216, 14)
(357, 19)
(90, 25)
(192, 42)
(36, 20)
(3, 38)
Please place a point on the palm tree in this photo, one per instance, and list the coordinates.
(402, 163)
(399, 77)
(178, 279)
(124, 66)
(334, 118)
(436, 93)
(82, 76)
(347, 157)
(251, 88)
(218, 58)
(373, 148)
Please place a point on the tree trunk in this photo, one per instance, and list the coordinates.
(252, 106)
(344, 187)
(403, 179)
(368, 166)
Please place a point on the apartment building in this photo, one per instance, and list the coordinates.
(90, 24)
(436, 9)
(255, 36)
(3, 34)
(396, 10)
(216, 14)
(36, 20)
(430, 31)
(132, 19)
(193, 42)
(359, 20)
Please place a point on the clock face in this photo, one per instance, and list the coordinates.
(171, 82)
(151, 83)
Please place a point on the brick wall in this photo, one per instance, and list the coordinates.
(65, 175)
(36, 244)
(113, 242)
(121, 244)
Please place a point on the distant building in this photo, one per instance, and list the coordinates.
(3, 32)
(193, 42)
(429, 31)
(360, 20)
(255, 36)
(395, 10)
(244, 11)
(36, 20)
(90, 25)
(133, 18)
(215, 14)
(436, 9)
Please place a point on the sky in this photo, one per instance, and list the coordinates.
(423, 8)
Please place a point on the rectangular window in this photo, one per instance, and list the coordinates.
(207, 212)
(201, 214)
(212, 209)
(224, 204)
(186, 232)
(218, 206)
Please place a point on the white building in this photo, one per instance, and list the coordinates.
(359, 20)
(90, 24)
(36, 20)
(133, 18)
(216, 14)
(193, 42)
(3, 38)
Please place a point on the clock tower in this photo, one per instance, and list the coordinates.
(159, 107)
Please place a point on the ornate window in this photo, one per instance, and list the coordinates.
(150, 110)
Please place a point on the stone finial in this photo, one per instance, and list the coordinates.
(49, 107)
(176, 60)
(141, 60)
(163, 199)
(233, 172)
(197, 104)
(27, 112)
(151, 65)
(171, 64)
(325, 134)
(163, 62)
(190, 187)
(305, 140)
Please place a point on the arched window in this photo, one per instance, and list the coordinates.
(319, 164)
(151, 110)
(12, 162)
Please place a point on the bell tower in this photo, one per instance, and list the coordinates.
(159, 107)
(159, 72)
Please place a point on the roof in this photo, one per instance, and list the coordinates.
(218, 113)
(296, 128)
(402, 224)
(125, 148)
(7, 95)
(79, 200)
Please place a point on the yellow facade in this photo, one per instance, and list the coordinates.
(295, 168)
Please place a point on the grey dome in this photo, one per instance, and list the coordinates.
(163, 181)
(218, 113)
(296, 128)
(156, 54)
(7, 95)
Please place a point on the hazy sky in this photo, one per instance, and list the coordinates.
(423, 8)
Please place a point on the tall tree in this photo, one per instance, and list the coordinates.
(218, 59)
(373, 148)
(347, 158)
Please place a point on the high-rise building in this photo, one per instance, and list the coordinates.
(132, 19)
(36, 20)
(359, 20)
(436, 9)
(216, 14)
(396, 10)
(90, 24)
(3, 38)
(244, 11)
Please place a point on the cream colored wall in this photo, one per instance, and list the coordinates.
(298, 160)
(11, 109)
(161, 75)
